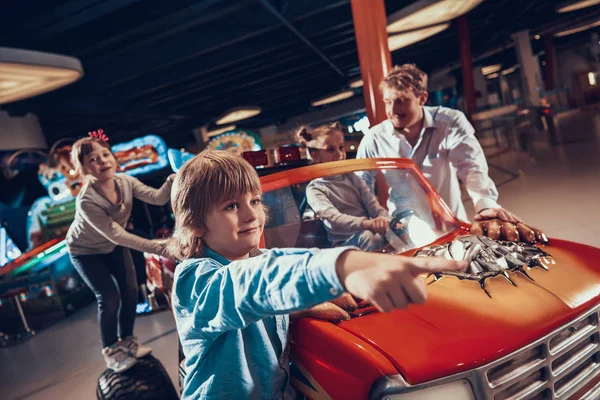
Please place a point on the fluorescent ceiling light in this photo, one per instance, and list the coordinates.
(26, 73)
(428, 12)
(220, 130)
(8, 84)
(356, 83)
(401, 40)
(592, 78)
(578, 5)
(510, 70)
(332, 99)
(578, 29)
(490, 69)
(238, 114)
(492, 76)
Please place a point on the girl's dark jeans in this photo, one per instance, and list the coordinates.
(112, 279)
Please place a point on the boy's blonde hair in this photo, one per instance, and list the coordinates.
(82, 148)
(204, 182)
(406, 77)
(308, 138)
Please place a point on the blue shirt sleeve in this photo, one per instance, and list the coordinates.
(211, 298)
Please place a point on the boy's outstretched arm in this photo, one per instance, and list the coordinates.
(212, 299)
(389, 281)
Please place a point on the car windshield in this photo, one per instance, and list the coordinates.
(416, 216)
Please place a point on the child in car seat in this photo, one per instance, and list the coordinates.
(350, 211)
(231, 300)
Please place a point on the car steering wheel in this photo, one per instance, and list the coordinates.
(396, 224)
(398, 235)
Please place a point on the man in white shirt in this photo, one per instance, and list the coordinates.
(442, 143)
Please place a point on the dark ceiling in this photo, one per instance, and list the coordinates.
(168, 66)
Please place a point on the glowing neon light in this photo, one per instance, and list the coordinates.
(177, 158)
(143, 155)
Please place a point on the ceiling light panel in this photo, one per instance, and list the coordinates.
(577, 5)
(25, 73)
(238, 114)
(490, 69)
(401, 40)
(332, 99)
(218, 131)
(356, 84)
(510, 70)
(577, 29)
(428, 12)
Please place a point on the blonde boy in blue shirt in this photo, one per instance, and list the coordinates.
(231, 300)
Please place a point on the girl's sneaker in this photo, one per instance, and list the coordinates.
(117, 359)
(133, 348)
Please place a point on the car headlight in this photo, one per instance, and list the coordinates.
(455, 390)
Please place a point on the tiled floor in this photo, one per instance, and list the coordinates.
(557, 190)
(64, 362)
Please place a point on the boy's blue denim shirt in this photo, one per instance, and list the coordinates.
(232, 318)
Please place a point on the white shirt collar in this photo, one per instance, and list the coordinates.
(427, 123)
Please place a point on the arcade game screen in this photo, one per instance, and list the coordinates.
(8, 250)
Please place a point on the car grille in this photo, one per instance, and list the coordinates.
(554, 367)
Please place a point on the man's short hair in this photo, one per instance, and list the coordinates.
(406, 77)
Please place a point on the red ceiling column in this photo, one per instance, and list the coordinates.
(466, 63)
(370, 24)
(549, 68)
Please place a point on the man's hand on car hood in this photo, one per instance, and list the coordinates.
(501, 224)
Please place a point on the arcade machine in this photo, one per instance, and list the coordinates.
(248, 144)
(40, 286)
(8, 250)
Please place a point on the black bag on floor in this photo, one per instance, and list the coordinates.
(146, 380)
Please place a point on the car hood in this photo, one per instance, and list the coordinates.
(460, 327)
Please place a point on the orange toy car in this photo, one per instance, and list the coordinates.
(522, 323)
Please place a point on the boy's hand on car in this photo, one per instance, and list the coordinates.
(335, 310)
(378, 225)
(501, 224)
(345, 302)
(389, 281)
(326, 311)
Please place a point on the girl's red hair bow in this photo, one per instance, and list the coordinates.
(99, 134)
